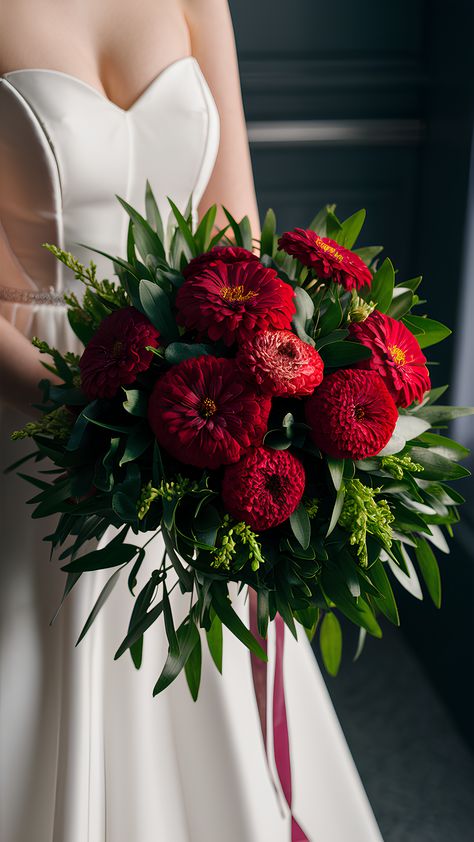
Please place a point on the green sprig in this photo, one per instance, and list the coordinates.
(57, 424)
(361, 514)
(397, 465)
(224, 554)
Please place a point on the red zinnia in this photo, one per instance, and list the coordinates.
(396, 356)
(351, 415)
(231, 301)
(327, 258)
(280, 363)
(227, 254)
(264, 488)
(204, 414)
(117, 353)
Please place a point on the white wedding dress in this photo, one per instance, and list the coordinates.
(87, 755)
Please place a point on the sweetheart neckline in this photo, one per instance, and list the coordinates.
(87, 86)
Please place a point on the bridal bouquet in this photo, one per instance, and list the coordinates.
(269, 412)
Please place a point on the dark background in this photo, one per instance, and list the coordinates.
(371, 105)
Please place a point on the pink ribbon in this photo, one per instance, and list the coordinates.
(281, 740)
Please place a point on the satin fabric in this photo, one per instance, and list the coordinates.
(87, 755)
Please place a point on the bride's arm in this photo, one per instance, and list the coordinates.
(20, 363)
(213, 45)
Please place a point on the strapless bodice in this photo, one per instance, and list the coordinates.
(66, 151)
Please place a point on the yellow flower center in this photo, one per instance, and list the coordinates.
(237, 293)
(359, 413)
(398, 356)
(329, 249)
(207, 408)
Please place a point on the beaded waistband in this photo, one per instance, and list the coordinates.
(14, 295)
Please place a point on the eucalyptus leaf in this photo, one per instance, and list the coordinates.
(429, 570)
(339, 354)
(215, 641)
(381, 290)
(330, 642)
(187, 636)
(192, 669)
(427, 331)
(156, 305)
(301, 526)
(101, 600)
(228, 616)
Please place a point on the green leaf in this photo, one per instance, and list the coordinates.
(427, 331)
(138, 441)
(301, 526)
(337, 509)
(267, 239)
(318, 223)
(153, 214)
(192, 669)
(409, 579)
(136, 632)
(101, 559)
(246, 233)
(304, 313)
(338, 354)
(336, 469)
(156, 305)
(204, 229)
(368, 253)
(437, 415)
(386, 602)
(169, 624)
(435, 466)
(185, 229)
(136, 652)
(356, 610)
(429, 570)
(331, 318)
(147, 240)
(402, 301)
(101, 600)
(224, 610)
(412, 284)
(215, 641)
(360, 644)
(351, 228)
(330, 642)
(334, 226)
(176, 352)
(381, 291)
(136, 402)
(443, 446)
(185, 576)
(235, 228)
(188, 636)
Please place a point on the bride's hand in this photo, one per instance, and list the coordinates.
(20, 370)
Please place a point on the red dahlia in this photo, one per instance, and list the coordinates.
(264, 488)
(351, 415)
(231, 301)
(396, 356)
(327, 258)
(117, 353)
(227, 254)
(280, 363)
(204, 414)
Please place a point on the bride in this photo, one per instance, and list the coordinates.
(95, 98)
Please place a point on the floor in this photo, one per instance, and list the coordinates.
(417, 771)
